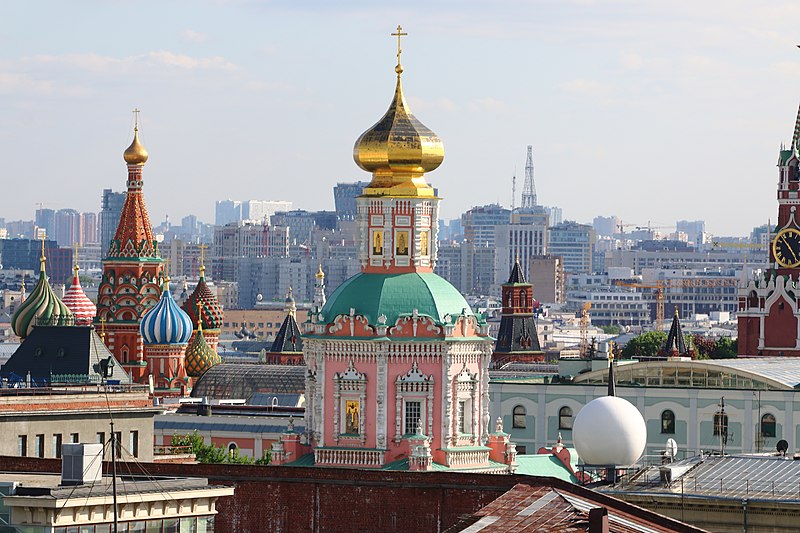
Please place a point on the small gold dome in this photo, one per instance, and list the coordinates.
(398, 142)
(135, 154)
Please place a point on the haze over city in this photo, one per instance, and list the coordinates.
(649, 111)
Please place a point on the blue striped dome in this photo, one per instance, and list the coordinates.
(165, 322)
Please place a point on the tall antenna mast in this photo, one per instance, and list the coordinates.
(513, 190)
(529, 190)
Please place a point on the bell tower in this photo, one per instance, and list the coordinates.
(769, 307)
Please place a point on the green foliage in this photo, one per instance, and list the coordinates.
(726, 348)
(645, 345)
(208, 453)
(610, 330)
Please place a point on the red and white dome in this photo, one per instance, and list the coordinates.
(77, 302)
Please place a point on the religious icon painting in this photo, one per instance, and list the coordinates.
(377, 242)
(351, 421)
(401, 243)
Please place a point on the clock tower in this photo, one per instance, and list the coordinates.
(769, 306)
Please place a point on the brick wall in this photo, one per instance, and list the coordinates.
(284, 499)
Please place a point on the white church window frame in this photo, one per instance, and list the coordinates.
(466, 389)
(349, 386)
(414, 386)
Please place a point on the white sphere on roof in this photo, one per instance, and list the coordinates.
(609, 431)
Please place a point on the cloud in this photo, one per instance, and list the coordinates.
(191, 63)
(193, 36)
(631, 60)
(488, 104)
(120, 65)
(12, 82)
(418, 104)
(584, 87)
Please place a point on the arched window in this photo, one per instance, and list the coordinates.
(519, 417)
(565, 418)
(668, 422)
(232, 447)
(768, 425)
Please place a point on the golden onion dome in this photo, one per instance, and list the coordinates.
(398, 142)
(135, 154)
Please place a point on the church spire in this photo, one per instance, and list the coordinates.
(134, 236)
(398, 149)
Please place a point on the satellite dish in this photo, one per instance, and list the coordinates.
(782, 446)
(259, 297)
(671, 448)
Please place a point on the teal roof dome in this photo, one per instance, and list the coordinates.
(396, 295)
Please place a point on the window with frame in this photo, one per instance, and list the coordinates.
(565, 418)
(39, 445)
(413, 415)
(768, 425)
(22, 445)
(667, 422)
(74, 438)
(518, 421)
(134, 443)
(720, 424)
(460, 422)
(57, 439)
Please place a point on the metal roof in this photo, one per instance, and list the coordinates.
(732, 476)
(210, 424)
(774, 373)
(242, 380)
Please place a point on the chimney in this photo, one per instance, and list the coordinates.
(598, 520)
(81, 464)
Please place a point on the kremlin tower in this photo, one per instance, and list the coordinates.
(165, 330)
(77, 301)
(132, 272)
(212, 314)
(397, 361)
(41, 307)
(769, 307)
(517, 340)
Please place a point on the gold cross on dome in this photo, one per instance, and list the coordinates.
(136, 112)
(399, 34)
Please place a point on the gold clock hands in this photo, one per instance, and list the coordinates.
(789, 246)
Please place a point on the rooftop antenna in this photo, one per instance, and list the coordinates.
(529, 189)
(513, 189)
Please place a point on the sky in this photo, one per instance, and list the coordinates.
(651, 111)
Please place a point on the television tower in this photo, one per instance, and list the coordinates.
(529, 189)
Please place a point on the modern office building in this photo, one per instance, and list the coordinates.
(574, 243)
(479, 223)
(344, 198)
(110, 211)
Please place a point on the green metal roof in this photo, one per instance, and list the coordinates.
(547, 465)
(396, 295)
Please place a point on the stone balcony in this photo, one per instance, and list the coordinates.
(353, 457)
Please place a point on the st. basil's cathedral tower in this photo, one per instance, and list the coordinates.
(132, 272)
(769, 307)
(398, 362)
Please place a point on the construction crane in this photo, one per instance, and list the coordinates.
(659, 290)
(737, 245)
(584, 345)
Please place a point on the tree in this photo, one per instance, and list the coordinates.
(208, 453)
(610, 330)
(645, 345)
(726, 348)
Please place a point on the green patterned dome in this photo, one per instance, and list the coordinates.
(396, 295)
(199, 355)
(43, 306)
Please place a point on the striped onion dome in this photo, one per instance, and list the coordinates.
(203, 297)
(42, 307)
(77, 301)
(199, 355)
(165, 322)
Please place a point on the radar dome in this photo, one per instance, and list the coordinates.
(609, 431)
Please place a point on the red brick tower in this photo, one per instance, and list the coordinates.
(769, 307)
(132, 271)
(517, 340)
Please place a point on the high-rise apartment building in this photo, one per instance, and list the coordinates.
(574, 243)
(344, 198)
(518, 242)
(110, 210)
(479, 223)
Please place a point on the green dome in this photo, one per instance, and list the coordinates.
(395, 295)
(43, 307)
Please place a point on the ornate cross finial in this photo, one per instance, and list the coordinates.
(203, 258)
(76, 267)
(399, 34)
(136, 112)
(103, 328)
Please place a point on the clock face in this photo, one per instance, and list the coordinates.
(786, 248)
